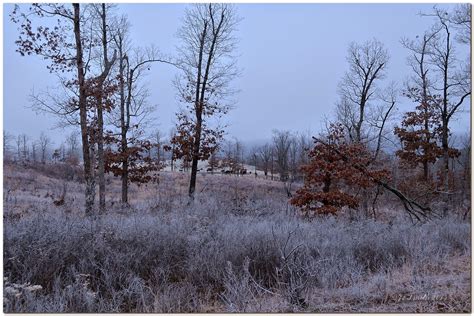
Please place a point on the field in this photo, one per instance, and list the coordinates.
(239, 247)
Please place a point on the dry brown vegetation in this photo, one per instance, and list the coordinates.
(239, 247)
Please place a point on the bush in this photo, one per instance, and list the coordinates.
(194, 261)
(375, 256)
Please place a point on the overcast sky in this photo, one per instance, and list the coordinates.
(292, 57)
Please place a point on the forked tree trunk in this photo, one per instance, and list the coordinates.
(100, 110)
(198, 110)
(88, 174)
(207, 47)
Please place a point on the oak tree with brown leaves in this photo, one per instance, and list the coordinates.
(420, 133)
(63, 45)
(330, 182)
(182, 142)
(141, 168)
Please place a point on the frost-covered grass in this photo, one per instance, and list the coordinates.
(238, 248)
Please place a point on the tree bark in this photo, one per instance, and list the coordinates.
(201, 93)
(123, 121)
(194, 164)
(88, 174)
(124, 129)
(198, 110)
(100, 110)
(445, 120)
(425, 101)
(100, 154)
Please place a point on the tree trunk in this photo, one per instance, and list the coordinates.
(194, 165)
(124, 149)
(88, 176)
(445, 145)
(123, 126)
(271, 169)
(200, 99)
(425, 101)
(445, 120)
(100, 153)
(327, 183)
(358, 126)
(100, 117)
(125, 183)
(172, 158)
(426, 169)
(198, 109)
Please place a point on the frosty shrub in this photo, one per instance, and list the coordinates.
(191, 262)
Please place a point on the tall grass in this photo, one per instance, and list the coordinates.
(204, 258)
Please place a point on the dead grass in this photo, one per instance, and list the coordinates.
(238, 248)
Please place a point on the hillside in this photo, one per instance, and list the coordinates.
(238, 247)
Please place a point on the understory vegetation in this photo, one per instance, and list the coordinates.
(234, 249)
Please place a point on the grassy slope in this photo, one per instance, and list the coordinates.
(222, 253)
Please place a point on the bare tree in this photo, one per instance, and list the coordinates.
(44, 143)
(82, 104)
(172, 148)
(25, 148)
(7, 138)
(72, 142)
(101, 18)
(380, 117)
(238, 155)
(461, 20)
(208, 66)
(34, 151)
(253, 158)
(213, 162)
(63, 152)
(18, 147)
(465, 162)
(293, 162)
(304, 145)
(266, 156)
(453, 85)
(367, 65)
(282, 141)
(158, 143)
(228, 149)
(125, 100)
(133, 108)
